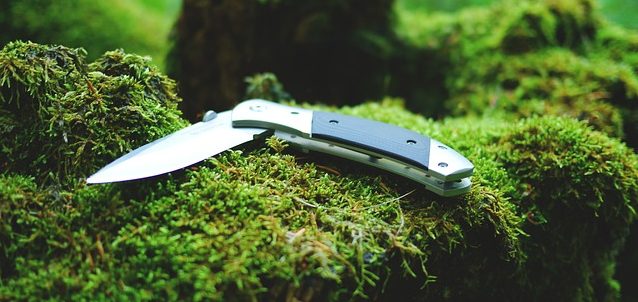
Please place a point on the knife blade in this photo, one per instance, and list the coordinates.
(392, 148)
(177, 150)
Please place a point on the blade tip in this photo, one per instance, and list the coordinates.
(95, 180)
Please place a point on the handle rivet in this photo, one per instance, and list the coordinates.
(442, 164)
(257, 108)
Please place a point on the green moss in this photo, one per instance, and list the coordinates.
(526, 59)
(272, 223)
(265, 86)
(555, 81)
(537, 157)
(63, 118)
(508, 27)
(618, 44)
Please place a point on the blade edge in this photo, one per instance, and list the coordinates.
(177, 150)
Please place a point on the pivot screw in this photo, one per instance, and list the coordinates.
(209, 116)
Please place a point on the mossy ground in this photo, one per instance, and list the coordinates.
(267, 222)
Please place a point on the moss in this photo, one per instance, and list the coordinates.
(616, 43)
(533, 59)
(526, 59)
(63, 118)
(507, 27)
(538, 157)
(271, 223)
(555, 81)
(265, 86)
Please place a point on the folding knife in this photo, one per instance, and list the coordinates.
(388, 147)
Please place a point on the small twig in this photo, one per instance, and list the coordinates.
(402, 222)
(330, 170)
(305, 202)
(388, 201)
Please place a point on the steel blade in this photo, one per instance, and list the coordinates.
(178, 150)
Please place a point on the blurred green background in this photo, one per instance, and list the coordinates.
(144, 26)
(137, 26)
(620, 11)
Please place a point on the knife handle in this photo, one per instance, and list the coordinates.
(372, 136)
(367, 136)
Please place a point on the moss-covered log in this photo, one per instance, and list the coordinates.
(551, 203)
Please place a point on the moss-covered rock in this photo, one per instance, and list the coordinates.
(532, 58)
(271, 223)
(63, 118)
(553, 81)
(527, 59)
(505, 26)
(616, 43)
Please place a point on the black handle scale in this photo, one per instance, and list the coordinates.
(389, 140)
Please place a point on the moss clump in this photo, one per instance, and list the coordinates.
(272, 224)
(531, 58)
(506, 27)
(616, 43)
(265, 86)
(63, 118)
(539, 161)
(554, 81)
